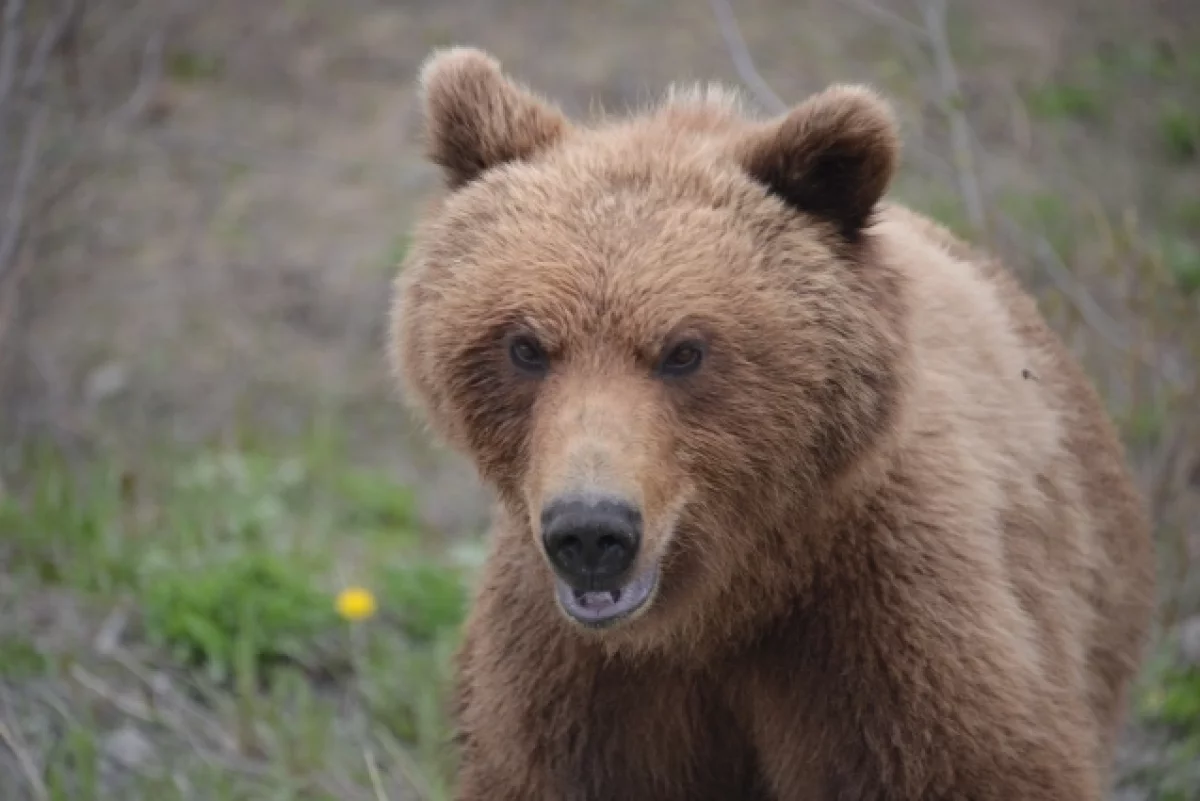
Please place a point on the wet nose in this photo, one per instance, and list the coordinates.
(591, 542)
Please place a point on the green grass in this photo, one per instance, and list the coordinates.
(1182, 260)
(226, 563)
(1067, 101)
(1179, 132)
(191, 67)
(1169, 701)
(251, 606)
(20, 658)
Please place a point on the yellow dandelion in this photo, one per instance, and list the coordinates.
(355, 603)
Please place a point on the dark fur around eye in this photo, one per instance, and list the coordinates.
(681, 359)
(527, 355)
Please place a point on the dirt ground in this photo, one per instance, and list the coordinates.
(222, 259)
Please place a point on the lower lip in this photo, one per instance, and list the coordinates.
(600, 609)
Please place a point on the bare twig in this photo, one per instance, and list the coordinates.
(14, 222)
(935, 36)
(742, 61)
(9, 737)
(50, 39)
(131, 707)
(10, 55)
(8, 300)
(10, 47)
(148, 78)
(892, 19)
(933, 12)
(183, 709)
(108, 638)
(1097, 319)
(16, 215)
(403, 761)
(373, 772)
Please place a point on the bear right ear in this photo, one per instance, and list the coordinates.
(476, 118)
(833, 156)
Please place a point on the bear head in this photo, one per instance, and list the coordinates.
(665, 340)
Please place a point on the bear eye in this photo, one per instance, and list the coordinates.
(682, 359)
(527, 355)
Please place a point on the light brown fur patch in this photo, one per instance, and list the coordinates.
(893, 566)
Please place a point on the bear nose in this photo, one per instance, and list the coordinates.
(591, 542)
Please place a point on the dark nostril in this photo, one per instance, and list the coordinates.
(571, 548)
(591, 541)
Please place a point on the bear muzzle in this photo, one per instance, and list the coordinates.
(592, 544)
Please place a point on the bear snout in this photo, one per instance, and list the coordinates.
(591, 542)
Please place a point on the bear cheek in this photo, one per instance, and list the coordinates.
(489, 410)
(749, 437)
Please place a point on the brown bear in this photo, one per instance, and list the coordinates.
(797, 495)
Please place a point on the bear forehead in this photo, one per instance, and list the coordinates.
(597, 231)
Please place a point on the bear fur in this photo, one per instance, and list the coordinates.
(896, 548)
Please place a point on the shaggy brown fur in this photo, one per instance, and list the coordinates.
(900, 556)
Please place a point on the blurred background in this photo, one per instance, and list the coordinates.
(202, 206)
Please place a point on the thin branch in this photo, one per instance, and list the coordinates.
(10, 55)
(892, 19)
(25, 761)
(130, 707)
(743, 62)
(31, 148)
(14, 222)
(373, 773)
(148, 79)
(933, 12)
(10, 47)
(108, 637)
(1094, 315)
(403, 761)
(50, 39)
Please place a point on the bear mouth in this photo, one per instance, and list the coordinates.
(601, 608)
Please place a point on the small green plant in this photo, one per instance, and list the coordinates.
(238, 496)
(372, 501)
(1182, 260)
(73, 766)
(190, 67)
(1168, 702)
(1155, 59)
(68, 529)
(1179, 131)
(252, 612)
(1044, 212)
(1066, 101)
(428, 599)
(20, 658)
(1187, 214)
(1178, 701)
(948, 209)
(1143, 425)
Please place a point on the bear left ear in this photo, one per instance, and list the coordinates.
(476, 118)
(833, 156)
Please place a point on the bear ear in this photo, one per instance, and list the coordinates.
(476, 118)
(833, 156)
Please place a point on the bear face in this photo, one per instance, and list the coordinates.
(663, 341)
